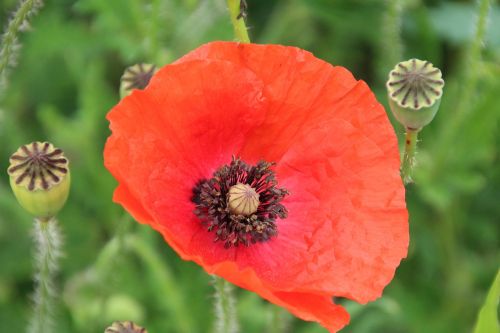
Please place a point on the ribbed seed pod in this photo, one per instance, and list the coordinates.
(242, 199)
(415, 88)
(136, 77)
(40, 178)
(125, 327)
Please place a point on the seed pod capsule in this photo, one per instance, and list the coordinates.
(243, 199)
(415, 88)
(125, 327)
(136, 77)
(40, 178)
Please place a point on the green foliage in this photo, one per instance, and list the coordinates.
(67, 78)
(454, 21)
(487, 321)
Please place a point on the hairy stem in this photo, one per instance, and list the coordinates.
(237, 14)
(225, 307)
(280, 320)
(25, 9)
(162, 278)
(390, 50)
(408, 160)
(474, 53)
(467, 92)
(48, 243)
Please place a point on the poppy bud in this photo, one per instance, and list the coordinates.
(415, 88)
(136, 77)
(40, 178)
(125, 327)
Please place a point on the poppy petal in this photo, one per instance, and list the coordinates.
(159, 161)
(307, 306)
(350, 145)
(294, 82)
(335, 152)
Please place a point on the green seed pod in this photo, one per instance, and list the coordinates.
(125, 327)
(40, 178)
(136, 77)
(415, 88)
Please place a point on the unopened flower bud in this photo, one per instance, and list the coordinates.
(136, 77)
(40, 178)
(125, 327)
(415, 88)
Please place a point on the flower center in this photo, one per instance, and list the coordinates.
(240, 203)
(242, 199)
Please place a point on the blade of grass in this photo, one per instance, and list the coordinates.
(487, 320)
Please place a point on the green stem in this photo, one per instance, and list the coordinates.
(279, 320)
(467, 90)
(154, 29)
(24, 11)
(472, 64)
(238, 21)
(408, 160)
(48, 252)
(390, 45)
(474, 54)
(225, 307)
(163, 280)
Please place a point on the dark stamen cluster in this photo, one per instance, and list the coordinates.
(211, 199)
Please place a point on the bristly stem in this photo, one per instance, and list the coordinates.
(225, 307)
(473, 59)
(237, 12)
(280, 320)
(48, 243)
(163, 280)
(390, 49)
(25, 9)
(408, 160)
(468, 89)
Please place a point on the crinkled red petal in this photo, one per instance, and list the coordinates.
(355, 161)
(335, 151)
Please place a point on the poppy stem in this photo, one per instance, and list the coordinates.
(237, 11)
(163, 280)
(280, 320)
(25, 10)
(225, 307)
(408, 160)
(48, 242)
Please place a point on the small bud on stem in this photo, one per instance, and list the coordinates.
(414, 88)
(136, 77)
(40, 178)
(125, 327)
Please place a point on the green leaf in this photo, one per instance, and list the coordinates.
(487, 321)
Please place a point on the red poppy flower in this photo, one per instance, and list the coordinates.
(328, 215)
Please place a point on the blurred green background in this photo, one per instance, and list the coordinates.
(67, 78)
